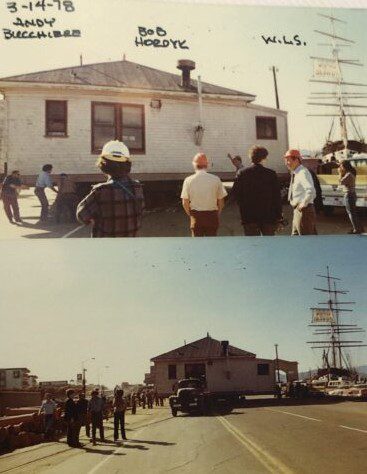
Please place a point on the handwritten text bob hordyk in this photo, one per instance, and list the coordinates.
(157, 38)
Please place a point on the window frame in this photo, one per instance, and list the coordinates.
(268, 117)
(118, 108)
(263, 365)
(49, 134)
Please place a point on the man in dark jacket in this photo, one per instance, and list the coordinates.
(257, 192)
(83, 417)
(71, 418)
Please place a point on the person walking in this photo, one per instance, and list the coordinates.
(71, 418)
(114, 208)
(119, 409)
(44, 181)
(83, 416)
(347, 178)
(301, 195)
(203, 199)
(48, 408)
(150, 398)
(257, 192)
(95, 408)
(9, 194)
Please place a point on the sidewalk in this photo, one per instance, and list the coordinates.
(21, 458)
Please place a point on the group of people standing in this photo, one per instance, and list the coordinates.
(82, 412)
(65, 203)
(79, 412)
(115, 208)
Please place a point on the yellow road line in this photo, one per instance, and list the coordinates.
(272, 464)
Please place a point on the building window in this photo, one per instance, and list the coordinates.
(262, 369)
(266, 128)
(172, 372)
(124, 122)
(56, 118)
(16, 374)
(195, 371)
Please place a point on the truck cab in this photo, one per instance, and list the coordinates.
(191, 396)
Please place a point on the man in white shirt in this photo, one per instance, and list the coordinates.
(44, 181)
(48, 408)
(203, 199)
(301, 195)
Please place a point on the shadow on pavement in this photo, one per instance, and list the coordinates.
(159, 443)
(105, 452)
(136, 446)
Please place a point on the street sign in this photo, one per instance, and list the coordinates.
(79, 378)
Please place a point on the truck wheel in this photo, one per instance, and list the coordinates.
(329, 211)
(174, 411)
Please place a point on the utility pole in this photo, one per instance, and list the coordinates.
(277, 363)
(275, 70)
(84, 381)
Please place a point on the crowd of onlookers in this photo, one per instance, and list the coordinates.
(115, 208)
(78, 412)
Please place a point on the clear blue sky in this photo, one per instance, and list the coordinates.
(124, 301)
(225, 42)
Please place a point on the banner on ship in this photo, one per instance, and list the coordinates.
(320, 315)
(325, 68)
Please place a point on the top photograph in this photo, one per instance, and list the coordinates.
(148, 119)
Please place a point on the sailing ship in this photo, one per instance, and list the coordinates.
(328, 322)
(338, 97)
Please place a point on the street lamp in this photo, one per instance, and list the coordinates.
(83, 373)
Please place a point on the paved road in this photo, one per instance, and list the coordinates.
(163, 222)
(279, 439)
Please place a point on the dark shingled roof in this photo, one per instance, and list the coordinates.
(205, 348)
(120, 74)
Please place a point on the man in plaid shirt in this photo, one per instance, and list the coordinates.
(114, 208)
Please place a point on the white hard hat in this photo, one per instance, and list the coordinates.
(116, 151)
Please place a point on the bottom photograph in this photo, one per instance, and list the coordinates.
(208, 355)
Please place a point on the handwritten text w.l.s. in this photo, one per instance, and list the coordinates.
(273, 39)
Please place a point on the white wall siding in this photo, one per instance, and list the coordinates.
(169, 134)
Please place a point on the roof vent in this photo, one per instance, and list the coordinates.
(186, 66)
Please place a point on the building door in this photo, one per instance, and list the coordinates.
(195, 371)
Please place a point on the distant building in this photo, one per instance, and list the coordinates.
(223, 366)
(17, 379)
(32, 379)
(68, 114)
(54, 383)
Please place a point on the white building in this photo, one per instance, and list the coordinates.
(224, 367)
(64, 116)
(17, 379)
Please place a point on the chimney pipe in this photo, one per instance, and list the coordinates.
(186, 66)
(224, 345)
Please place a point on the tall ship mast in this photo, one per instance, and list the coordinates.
(328, 322)
(338, 97)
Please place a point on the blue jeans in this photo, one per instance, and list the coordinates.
(351, 208)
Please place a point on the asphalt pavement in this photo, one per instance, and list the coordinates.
(317, 438)
(165, 221)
